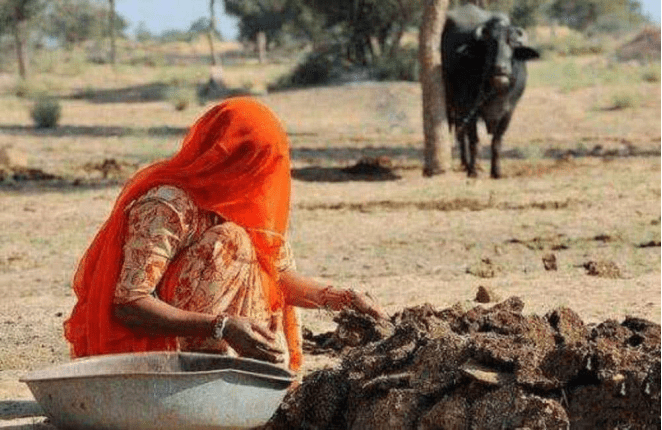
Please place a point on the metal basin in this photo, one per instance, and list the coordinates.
(160, 390)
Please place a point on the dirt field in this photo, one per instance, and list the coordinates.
(582, 184)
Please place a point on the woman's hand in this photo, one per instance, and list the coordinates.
(362, 302)
(339, 299)
(251, 339)
(308, 293)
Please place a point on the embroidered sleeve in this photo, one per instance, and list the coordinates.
(158, 226)
(286, 258)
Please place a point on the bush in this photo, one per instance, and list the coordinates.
(612, 24)
(651, 74)
(403, 67)
(46, 112)
(581, 45)
(181, 97)
(316, 69)
(22, 89)
(623, 100)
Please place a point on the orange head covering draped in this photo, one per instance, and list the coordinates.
(234, 162)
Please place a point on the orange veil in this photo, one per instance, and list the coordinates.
(235, 162)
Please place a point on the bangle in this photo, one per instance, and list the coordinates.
(218, 326)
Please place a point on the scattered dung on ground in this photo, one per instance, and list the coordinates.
(486, 295)
(110, 167)
(20, 174)
(479, 368)
(486, 268)
(603, 269)
(549, 262)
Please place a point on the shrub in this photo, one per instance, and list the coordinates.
(403, 67)
(46, 112)
(181, 97)
(612, 24)
(580, 45)
(316, 69)
(622, 100)
(651, 75)
(24, 89)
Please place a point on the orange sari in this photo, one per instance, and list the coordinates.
(234, 162)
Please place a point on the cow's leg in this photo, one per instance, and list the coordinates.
(461, 139)
(472, 134)
(502, 126)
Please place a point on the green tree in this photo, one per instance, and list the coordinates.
(580, 14)
(75, 21)
(174, 35)
(524, 13)
(201, 26)
(14, 17)
(262, 19)
(368, 29)
(364, 29)
(142, 32)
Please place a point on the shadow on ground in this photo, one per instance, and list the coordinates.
(157, 91)
(14, 409)
(92, 131)
(335, 174)
(152, 92)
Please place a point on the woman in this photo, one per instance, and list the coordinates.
(194, 257)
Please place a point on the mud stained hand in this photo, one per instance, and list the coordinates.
(253, 340)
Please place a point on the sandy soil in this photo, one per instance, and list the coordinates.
(405, 239)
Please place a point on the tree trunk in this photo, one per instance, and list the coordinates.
(437, 150)
(395, 45)
(405, 18)
(111, 29)
(261, 47)
(211, 31)
(20, 29)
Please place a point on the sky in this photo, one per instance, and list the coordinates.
(160, 15)
(652, 9)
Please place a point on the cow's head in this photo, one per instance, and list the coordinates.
(503, 44)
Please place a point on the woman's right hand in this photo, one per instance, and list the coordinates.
(252, 340)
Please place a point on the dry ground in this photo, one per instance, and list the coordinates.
(407, 241)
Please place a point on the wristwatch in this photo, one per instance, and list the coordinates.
(218, 327)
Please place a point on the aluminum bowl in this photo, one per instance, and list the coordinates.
(160, 390)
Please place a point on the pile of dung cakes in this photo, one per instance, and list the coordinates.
(480, 368)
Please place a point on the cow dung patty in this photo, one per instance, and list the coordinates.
(481, 368)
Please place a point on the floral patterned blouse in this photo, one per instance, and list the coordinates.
(163, 222)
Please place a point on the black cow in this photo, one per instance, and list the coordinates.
(484, 75)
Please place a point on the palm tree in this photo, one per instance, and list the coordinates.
(437, 150)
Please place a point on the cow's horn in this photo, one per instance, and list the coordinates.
(479, 32)
(520, 36)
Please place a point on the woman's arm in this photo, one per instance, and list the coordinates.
(155, 234)
(153, 316)
(305, 292)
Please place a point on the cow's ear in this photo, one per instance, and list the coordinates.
(525, 53)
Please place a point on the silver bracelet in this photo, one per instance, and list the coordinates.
(218, 329)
